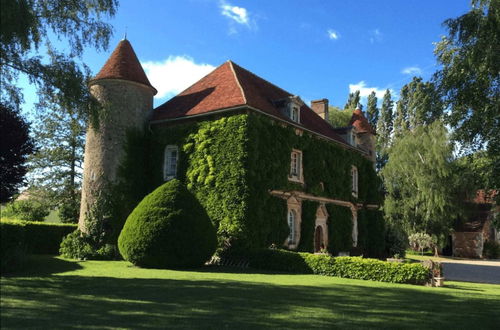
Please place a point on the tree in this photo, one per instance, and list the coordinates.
(372, 109)
(338, 117)
(469, 79)
(424, 105)
(417, 178)
(27, 25)
(16, 145)
(384, 129)
(353, 101)
(401, 117)
(57, 165)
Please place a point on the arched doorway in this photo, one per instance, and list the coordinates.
(318, 239)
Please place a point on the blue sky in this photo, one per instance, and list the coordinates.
(312, 48)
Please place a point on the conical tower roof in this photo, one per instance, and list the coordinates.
(359, 121)
(123, 64)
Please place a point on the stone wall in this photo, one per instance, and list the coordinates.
(468, 244)
(125, 105)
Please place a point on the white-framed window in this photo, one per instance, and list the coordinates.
(170, 162)
(352, 138)
(294, 113)
(296, 165)
(291, 225)
(354, 177)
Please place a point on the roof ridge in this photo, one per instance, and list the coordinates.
(238, 82)
(259, 77)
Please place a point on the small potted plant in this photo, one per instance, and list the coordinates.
(437, 274)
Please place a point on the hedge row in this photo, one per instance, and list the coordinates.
(20, 237)
(347, 267)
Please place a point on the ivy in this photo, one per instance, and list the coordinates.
(232, 163)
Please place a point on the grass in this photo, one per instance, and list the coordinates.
(59, 293)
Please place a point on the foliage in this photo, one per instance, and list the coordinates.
(353, 101)
(12, 248)
(371, 233)
(22, 237)
(491, 249)
(232, 163)
(339, 229)
(396, 241)
(372, 111)
(56, 166)
(16, 145)
(28, 25)
(417, 178)
(168, 229)
(78, 245)
(338, 117)
(469, 77)
(477, 171)
(420, 242)
(28, 210)
(384, 129)
(347, 267)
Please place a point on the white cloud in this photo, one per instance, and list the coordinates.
(375, 36)
(412, 70)
(235, 13)
(333, 35)
(364, 90)
(175, 74)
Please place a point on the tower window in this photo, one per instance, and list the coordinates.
(170, 162)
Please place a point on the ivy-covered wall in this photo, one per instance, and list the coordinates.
(232, 163)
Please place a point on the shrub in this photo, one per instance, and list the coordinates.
(12, 248)
(27, 210)
(78, 245)
(491, 250)
(168, 229)
(347, 267)
(396, 242)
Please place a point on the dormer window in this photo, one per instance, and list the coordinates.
(290, 107)
(294, 113)
(352, 137)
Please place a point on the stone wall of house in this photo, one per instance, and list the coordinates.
(468, 244)
(125, 105)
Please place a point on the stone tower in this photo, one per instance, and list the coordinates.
(126, 97)
(365, 134)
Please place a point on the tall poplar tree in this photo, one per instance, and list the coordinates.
(384, 129)
(353, 101)
(372, 109)
(401, 117)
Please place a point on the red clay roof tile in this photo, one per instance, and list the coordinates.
(359, 121)
(124, 64)
(229, 86)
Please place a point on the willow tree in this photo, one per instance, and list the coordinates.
(27, 31)
(417, 178)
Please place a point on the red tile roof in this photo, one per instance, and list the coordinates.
(230, 86)
(359, 121)
(485, 196)
(124, 64)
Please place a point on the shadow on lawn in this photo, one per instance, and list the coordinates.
(102, 302)
(43, 265)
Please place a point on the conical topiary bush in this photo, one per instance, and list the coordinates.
(168, 229)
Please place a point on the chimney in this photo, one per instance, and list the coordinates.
(321, 108)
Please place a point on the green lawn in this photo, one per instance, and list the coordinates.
(57, 293)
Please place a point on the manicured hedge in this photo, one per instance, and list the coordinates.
(12, 249)
(168, 229)
(36, 237)
(347, 267)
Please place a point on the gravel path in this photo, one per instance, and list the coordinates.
(472, 271)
